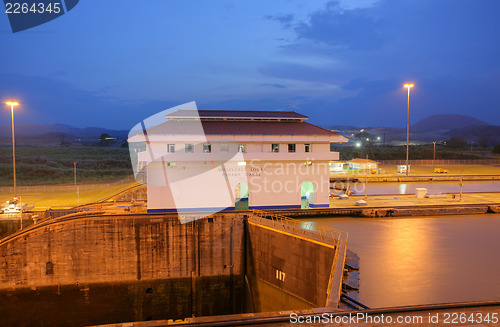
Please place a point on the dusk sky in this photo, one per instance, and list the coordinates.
(113, 63)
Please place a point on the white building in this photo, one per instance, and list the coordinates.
(212, 160)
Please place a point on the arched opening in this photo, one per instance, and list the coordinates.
(241, 197)
(307, 195)
(49, 268)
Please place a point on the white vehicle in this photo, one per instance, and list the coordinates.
(14, 206)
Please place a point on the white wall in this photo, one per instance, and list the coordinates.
(205, 185)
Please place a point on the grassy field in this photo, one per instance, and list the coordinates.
(54, 165)
(61, 200)
(417, 152)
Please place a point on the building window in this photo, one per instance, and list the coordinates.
(170, 148)
(275, 148)
(307, 148)
(189, 148)
(224, 147)
(291, 147)
(171, 164)
(207, 148)
(242, 148)
(332, 147)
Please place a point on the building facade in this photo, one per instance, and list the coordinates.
(212, 160)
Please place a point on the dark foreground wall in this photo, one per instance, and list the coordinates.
(110, 268)
(86, 269)
(288, 268)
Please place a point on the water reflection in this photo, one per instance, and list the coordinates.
(403, 188)
(10, 223)
(423, 260)
(381, 188)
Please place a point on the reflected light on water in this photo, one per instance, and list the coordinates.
(406, 261)
(423, 260)
(403, 188)
(310, 225)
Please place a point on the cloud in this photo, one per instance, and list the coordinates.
(286, 20)
(349, 29)
(277, 86)
(47, 100)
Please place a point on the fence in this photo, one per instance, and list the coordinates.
(64, 188)
(51, 213)
(442, 162)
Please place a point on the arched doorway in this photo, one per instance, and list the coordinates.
(241, 197)
(307, 195)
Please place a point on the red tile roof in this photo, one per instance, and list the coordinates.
(358, 160)
(236, 114)
(172, 127)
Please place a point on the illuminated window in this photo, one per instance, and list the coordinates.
(189, 148)
(291, 147)
(275, 148)
(242, 148)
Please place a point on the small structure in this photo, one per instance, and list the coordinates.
(337, 166)
(420, 192)
(363, 165)
(402, 169)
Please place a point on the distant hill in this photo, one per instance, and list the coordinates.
(483, 136)
(38, 134)
(437, 123)
(436, 128)
(38, 129)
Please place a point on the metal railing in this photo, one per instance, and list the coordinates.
(300, 225)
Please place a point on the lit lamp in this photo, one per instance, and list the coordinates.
(12, 104)
(409, 86)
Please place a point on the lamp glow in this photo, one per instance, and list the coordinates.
(408, 86)
(12, 103)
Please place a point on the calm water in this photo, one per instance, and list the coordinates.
(432, 187)
(421, 260)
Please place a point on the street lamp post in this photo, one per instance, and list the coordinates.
(408, 85)
(77, 191)
(434, 151)
(12, 104)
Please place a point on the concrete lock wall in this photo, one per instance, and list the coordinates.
(287, 268)
(98, 269)
(87, 269)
